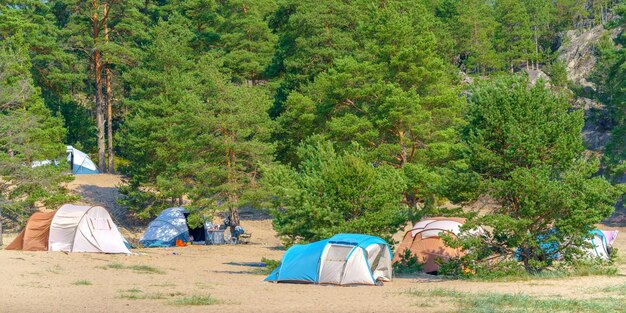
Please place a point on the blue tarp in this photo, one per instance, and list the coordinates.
(301, 263)
(168, 227)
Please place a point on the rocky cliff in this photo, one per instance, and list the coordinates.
(578, 53)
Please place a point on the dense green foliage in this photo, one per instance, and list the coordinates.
(407, 263)
(525, 144)
(332, 193)
(337, 116)
(610, 77)
(192, 132)
(28, 133)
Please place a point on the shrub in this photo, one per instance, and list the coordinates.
(333, 192)
(525, 143)
(407, 263)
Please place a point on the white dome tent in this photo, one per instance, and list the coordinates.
(80, 162)
(77, 228)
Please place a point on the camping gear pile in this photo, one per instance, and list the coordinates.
(71, 228)
(171, 229)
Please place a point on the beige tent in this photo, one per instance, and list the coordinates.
(424, 241)
(72, 228)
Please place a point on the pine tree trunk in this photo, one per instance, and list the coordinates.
(403, 152)
(109, 100)
(97, 66)
(234, 218)
(111, 165)
(536, 49)
(1, 227)
(233, 198)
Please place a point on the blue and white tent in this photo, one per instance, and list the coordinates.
(599, 244)
(168, 227)
(344, 259)
(80, 162)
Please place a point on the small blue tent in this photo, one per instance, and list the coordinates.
(600, 247)
(80, 162)
(168, 227)
(344, 259)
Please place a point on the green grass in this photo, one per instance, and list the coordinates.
(503, 302)
(138, 294)
(81, 282)
(270, 265)
(196, 300)
(164, 285)
(620, 289)
(57, 269)
(143, 296)
(145, 269)
(117, 266)
(206, 285)
(578, 270)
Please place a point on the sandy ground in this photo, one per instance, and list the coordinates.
(47, 282)
(100, 189)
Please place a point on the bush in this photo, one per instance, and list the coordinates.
(525, 143)
(407, 264)
(270, 263)
(332, 193)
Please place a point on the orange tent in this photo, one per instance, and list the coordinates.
(34, 237)
(424, 241)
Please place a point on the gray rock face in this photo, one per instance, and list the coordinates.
(595, 135)
(578, 53)
(595, 140)
(466, 79)
(535, 75)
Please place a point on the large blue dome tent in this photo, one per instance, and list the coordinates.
(344, 259)
(169, 226)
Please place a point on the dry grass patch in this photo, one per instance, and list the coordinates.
(138, 294)
(145, 269)
(57, 269)
(620, 289)
(81, 282)
(164, 285)
(503, 302)
(196, 300)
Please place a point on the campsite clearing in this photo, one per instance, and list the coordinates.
(223, 277)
